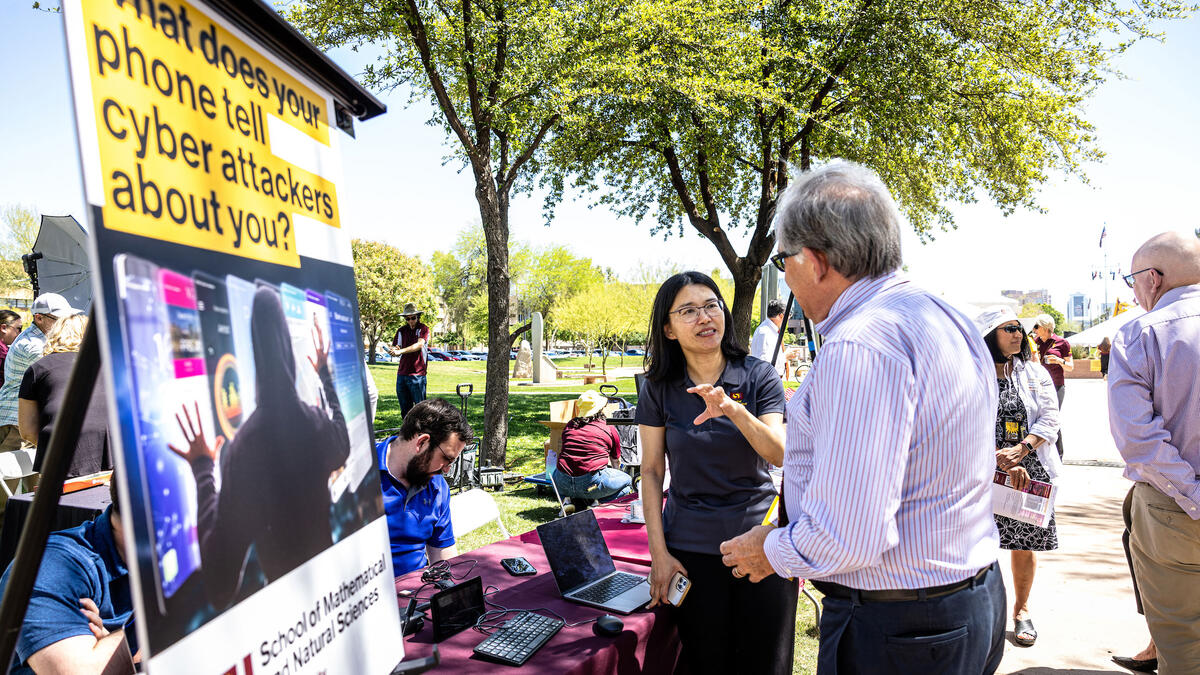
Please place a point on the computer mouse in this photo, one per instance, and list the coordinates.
(608, 625)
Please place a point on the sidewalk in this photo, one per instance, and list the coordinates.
(1082, 600)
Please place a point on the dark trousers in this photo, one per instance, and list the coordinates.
(410, 389)
(957, 634)
(1062, 392)
(729, 625)
(1127, 516)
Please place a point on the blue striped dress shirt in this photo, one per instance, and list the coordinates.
(890, 446)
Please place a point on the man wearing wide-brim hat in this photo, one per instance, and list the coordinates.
(410, 344)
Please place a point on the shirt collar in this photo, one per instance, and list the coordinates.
(100, 536)
(854, 296)
(1177, 294)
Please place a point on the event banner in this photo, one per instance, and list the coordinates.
(228, 320)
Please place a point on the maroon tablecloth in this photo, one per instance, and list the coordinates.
(626, 541)
(649, 643)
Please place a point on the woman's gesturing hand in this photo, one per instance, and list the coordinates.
(716, 403)
(662, 569)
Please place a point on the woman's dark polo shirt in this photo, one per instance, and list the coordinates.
(719, 487)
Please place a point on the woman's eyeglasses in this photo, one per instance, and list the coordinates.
(1012, 329)
(692, 314)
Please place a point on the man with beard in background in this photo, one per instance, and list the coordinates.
(416, 497)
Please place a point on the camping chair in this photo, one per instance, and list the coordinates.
(473, 509)
(15, 465)
(543, 479)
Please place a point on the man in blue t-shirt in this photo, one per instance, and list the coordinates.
(416, 497)
(80, 606)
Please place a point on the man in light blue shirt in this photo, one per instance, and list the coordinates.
(1152, 404)
(890, 450)
(27, 348)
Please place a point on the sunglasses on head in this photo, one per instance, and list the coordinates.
(1013, 329)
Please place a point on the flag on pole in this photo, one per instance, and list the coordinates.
(1103, 231)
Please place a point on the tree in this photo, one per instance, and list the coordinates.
(606, 315)
(386, 279)
(21, 225)
(494, 69)
(703, 105)
(1036, 308)
(553, 276)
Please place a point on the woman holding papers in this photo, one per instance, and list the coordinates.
(1026, 427)
(717, 414)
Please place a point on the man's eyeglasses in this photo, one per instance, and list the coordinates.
(692, 314)
(778, 258)
(1012, 329)
(1129, 277)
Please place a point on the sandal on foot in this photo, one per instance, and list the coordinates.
(1024, 627)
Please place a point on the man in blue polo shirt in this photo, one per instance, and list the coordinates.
(83, 570)
(416, 497)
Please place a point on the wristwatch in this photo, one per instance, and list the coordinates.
(1027, 445)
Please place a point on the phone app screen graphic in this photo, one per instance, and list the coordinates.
(240, 298)
(346, 361)
(220, 362)
(168, 481)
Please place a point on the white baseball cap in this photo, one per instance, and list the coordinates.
(53, 304)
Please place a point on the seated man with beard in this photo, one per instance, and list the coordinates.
(416, 497)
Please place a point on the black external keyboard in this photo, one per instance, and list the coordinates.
(609, 588)
(520, 637)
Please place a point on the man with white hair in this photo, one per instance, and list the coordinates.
(890, 449)
(1152, 404)
(27, 348)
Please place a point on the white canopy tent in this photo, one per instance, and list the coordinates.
(1105, 329)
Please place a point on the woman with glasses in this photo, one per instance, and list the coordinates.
(1026, 426)
(717, 415)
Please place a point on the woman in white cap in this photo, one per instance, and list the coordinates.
(1026, 426)
(591, 452)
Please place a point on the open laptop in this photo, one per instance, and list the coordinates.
(583, 568)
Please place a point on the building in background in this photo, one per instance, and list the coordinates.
(1037, 296)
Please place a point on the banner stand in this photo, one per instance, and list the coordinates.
(36, 529)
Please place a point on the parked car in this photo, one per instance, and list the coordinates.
(482, 355)
(439, 355)
(464, 355)
(634, 351)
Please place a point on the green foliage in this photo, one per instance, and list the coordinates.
(21, 225)
(701, 106)
(608, 316)
(386, 279)
(1033, 309)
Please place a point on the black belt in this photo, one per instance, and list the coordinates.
(899, 594)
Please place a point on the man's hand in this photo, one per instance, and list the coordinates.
(1007, 458)
(197, 445)
(716, 403)
(745, 554)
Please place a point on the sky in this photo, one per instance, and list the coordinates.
(398, 188)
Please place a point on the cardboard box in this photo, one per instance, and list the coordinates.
(562, 412)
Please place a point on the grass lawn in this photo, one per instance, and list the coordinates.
(520, 506)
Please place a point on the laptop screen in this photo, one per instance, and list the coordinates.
(576, 550)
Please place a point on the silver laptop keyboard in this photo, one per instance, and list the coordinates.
(609, 588)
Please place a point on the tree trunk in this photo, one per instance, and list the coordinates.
(493, 211)
(371, 351)
(745, 283)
